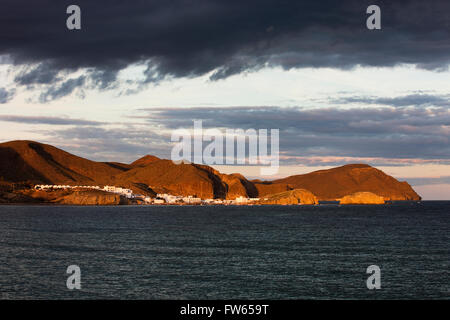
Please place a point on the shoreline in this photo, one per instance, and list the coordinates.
(400, 202)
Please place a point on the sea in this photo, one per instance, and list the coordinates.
(226, 252)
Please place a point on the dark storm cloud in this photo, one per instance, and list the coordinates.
(48, 120)
(190, 38)
(104, 79)
(402, 132)
(62, 89)
(40, 74)
(6, 95)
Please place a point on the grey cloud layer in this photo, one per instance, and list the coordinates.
(125, 143)
(428, 181)
(190, 38)
(48, 120)
(6, 95)
(402, 101)
(307, 136)
(402, 132)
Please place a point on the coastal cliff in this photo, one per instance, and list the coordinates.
(362, 198)
(70, 197)
(97, 198)
(297, 196)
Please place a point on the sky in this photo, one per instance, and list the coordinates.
(338, 92)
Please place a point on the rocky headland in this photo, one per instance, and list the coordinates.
(24, 164)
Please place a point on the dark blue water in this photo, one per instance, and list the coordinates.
(285, 252)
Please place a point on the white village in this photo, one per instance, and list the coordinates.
(160, 199)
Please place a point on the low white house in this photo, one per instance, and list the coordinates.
(192, 200)
(58, 186)
(148, 200)
(241, 200)
(119, 190)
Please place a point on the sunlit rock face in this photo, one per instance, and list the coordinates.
(335, 183)
(296, 196)
(97, 198)
(362, 198)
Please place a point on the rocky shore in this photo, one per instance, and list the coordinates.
(362, 198)
(78, 197)
(297, 196)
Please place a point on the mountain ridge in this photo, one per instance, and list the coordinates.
(25, 161)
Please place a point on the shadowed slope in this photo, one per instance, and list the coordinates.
(163, 176)
(41, 163)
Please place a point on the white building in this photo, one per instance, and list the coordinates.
(192, 200)
(241, 200)
(119, 190)
(148, 200)
(58, 186)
